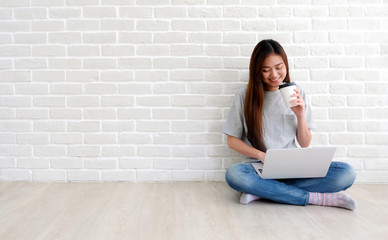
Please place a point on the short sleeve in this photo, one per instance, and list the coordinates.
(234, 125)
(309, 116)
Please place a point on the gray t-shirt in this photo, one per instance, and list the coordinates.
(279, 122)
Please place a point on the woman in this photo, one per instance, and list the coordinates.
(259, 120)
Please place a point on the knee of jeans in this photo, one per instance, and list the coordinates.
(231, 173)
(349, 174)
(234, 176)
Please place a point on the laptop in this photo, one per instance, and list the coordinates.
(295, 163)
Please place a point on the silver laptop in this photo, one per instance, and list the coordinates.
(295, 163)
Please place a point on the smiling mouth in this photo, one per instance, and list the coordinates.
(276, 80)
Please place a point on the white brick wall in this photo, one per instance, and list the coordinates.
(138, 90)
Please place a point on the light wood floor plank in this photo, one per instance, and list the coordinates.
(178, 211)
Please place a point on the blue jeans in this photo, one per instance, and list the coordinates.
(242, 177)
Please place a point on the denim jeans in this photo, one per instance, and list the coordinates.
(242, 177)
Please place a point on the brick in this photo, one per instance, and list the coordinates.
(187, 50)
(169, 37)
(362, 75)
(170, 12)
(169, 63)
(346, 88)
(101, 63)
(84, 151)
(48, 176)
(49, 126)
(205, 12)
(153, 50)
(83, 175)
(32, 114)
(188, 151)
(325, 75)
(117, 101)
(99, 12)
(134, 138)
(170, 164)
(310, 11)
(376, 139)
(66, 138)
(103, 113)
(204, 62)
(15, 175)
(100, 139)
(293, 24)
(168, 114)
(101, 163)
(66, 89)
(370, 151)
(205, 37)
(152, 25)
(183, 176)
(117, 25)
(83, 126)
(119, 175)
(223, 25)
(153, 126)
(376, 113)
(118, 151)
(64, 37)
(81, 50)
(99, 38)
(346, 37)
(222, 51)
(32, 138)
(118, 126)
(17, 101)
(66, 163)
(33, 163)
(30, 38)
(188, 101)
(64, 13)
(82, 76)
(153, 151)
(205, 164)
(273, 12)
(169, 138)
(7, 162)
(82, 25)
(83, 101)
(346, 113)
(48, 51)
(376, 88)
(48, 26)
(346, 138)
(7, 114)
(117, 76)
(135, 163)
(49, 151)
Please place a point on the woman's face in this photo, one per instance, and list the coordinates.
(273, 71)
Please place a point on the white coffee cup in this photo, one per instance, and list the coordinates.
(287, 89)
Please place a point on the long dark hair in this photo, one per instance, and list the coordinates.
(254, 99)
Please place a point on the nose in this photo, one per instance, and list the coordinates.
(273, 73)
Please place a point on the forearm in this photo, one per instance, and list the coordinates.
(241, 147)
(303, 134)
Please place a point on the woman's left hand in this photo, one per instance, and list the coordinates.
(298, 104)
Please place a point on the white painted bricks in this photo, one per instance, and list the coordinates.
(138, 90)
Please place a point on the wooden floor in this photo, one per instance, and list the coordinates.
(178, 211)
